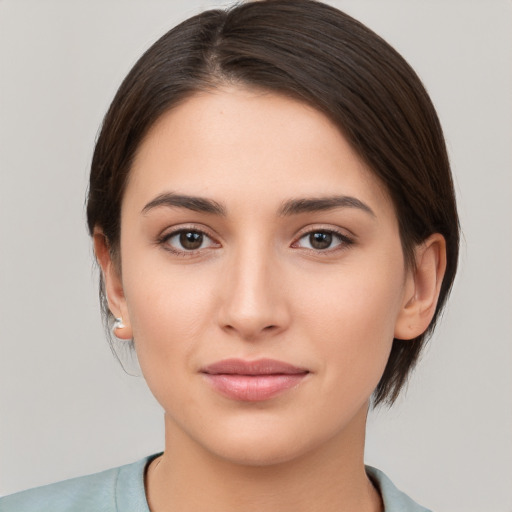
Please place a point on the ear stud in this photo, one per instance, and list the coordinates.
(118, 324)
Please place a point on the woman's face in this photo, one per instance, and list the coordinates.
(251, 231)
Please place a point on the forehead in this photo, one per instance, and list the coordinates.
(238, 143)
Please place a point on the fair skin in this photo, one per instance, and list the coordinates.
(250, 272)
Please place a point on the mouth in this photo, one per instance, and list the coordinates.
(253, 381)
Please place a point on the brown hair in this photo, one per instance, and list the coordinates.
(319, 55)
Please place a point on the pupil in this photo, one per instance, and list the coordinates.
(320, 240)
(191, 240)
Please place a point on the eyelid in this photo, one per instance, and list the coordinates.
(169, 232)
(346, 239)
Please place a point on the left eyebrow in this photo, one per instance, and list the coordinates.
(318, 204)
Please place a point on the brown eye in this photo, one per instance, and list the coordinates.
(187, 240)
(320, 240)
(323, 240)
(191, 240)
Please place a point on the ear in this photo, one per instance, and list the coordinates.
(113, 284)
(423, 284)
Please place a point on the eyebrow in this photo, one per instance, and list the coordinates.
(317, 204)
(197, 204)
(291, 207)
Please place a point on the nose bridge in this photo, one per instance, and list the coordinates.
(253, 303)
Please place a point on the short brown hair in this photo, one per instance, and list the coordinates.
(319, 55)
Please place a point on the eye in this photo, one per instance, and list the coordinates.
(187, 240)
(322, 240)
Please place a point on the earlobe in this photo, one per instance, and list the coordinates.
(113, 285)
(422, 288)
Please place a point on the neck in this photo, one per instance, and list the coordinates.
(330, 478)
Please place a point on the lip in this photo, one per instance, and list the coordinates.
(253, 381)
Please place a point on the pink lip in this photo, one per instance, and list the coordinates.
(253, 381)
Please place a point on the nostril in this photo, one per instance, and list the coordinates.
(251, 333)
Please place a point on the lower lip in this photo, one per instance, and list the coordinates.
(253, 388)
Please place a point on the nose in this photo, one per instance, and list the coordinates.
(253, 304)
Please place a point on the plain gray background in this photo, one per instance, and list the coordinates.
(66, 406)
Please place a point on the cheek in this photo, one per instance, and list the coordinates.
(362, 297)
(352, 318)
(169, 314)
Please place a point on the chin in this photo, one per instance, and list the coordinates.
(262, 443)
(259, 453)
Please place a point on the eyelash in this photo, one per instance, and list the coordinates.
(164, 240)
(344, 241)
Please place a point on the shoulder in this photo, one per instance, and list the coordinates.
(394, 499)
(114, 490)
(85, 492)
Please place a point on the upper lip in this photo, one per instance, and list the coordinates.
(257, 367)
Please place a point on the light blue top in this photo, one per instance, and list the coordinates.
(122, 490)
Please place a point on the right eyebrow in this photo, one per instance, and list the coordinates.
(195, 203)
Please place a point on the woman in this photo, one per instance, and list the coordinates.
(272, 210)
